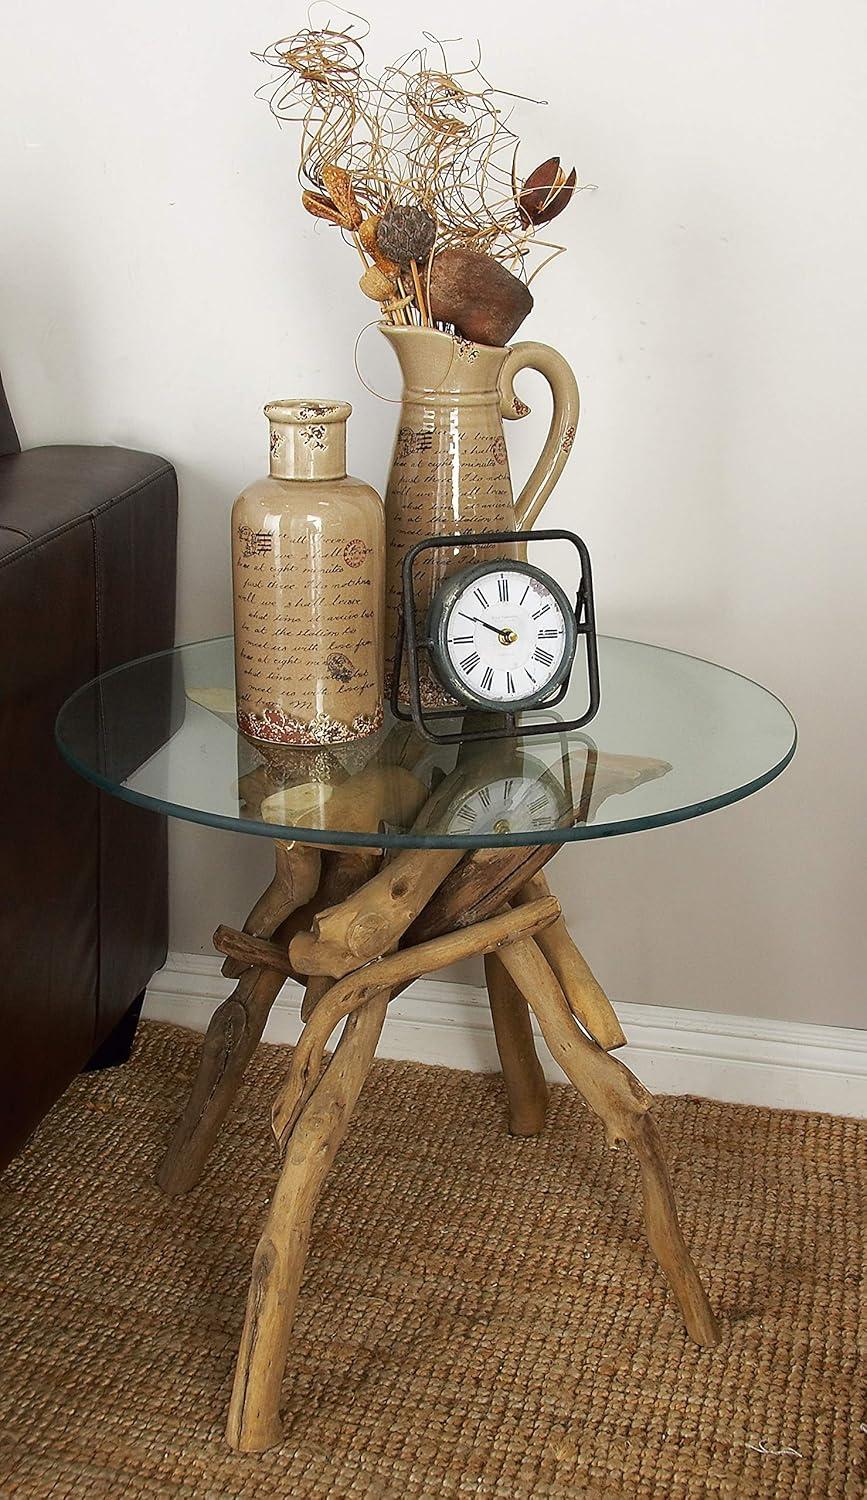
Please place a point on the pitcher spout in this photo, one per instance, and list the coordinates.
(434, 362)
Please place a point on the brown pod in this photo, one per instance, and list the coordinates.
(483, 300)
(322, 208)
(546, 192)
(406, 233)
(367, 235)
(338, 185)
(376, 285)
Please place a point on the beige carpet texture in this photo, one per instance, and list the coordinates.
(480, 1315)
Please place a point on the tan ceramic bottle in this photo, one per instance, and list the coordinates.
(308, 568)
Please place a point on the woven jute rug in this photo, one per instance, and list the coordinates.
(480, 1315)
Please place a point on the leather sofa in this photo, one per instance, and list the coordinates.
(87, 580)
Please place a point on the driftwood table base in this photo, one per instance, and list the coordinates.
(357, 930)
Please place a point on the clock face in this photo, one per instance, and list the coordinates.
(503, 634)
(509, 804)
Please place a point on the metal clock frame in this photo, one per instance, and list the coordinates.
(408, 645)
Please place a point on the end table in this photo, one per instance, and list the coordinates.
(394, 858)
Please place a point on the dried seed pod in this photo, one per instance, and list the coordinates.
(367, 232)
(546, 192)
(367, 235)
(376, 285)
(322, 208)
(338, 185)
(406, 233)
(483, 300)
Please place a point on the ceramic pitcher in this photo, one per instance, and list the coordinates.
(450, 468)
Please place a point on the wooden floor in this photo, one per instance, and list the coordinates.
(480, 1315)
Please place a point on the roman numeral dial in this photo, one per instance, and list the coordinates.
(515, 804)
(504, 635)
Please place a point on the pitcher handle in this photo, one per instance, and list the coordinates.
(564, 421)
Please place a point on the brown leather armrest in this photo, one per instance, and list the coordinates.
(44, 490)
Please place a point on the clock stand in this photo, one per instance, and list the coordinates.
(356, 928)
(419, 653)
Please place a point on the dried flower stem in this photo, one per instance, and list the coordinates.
(419, 294)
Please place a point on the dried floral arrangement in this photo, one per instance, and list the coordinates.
(418, 167)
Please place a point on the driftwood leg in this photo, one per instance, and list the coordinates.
(363, 925)
(232, 1037)
(366, 925)
(388, 975)
(296, 876)
(315, 1116)
(254, 1415)
(345, 872)
(585, 996)
(622, 1103)
(482, 884)
(526, 1088)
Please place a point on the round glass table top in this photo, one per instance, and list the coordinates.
(674, 737)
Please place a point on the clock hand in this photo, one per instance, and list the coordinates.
(496, 628)
(505, 632)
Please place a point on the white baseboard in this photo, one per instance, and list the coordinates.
(782, 1064)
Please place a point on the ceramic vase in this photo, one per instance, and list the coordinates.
(450, 468)
(307, 564)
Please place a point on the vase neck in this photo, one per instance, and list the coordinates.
(307, 439)
(440, 365)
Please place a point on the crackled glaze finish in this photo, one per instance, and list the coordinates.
(450, 468)
(307, 563)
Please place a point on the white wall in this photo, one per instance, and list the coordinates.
(160, 282)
